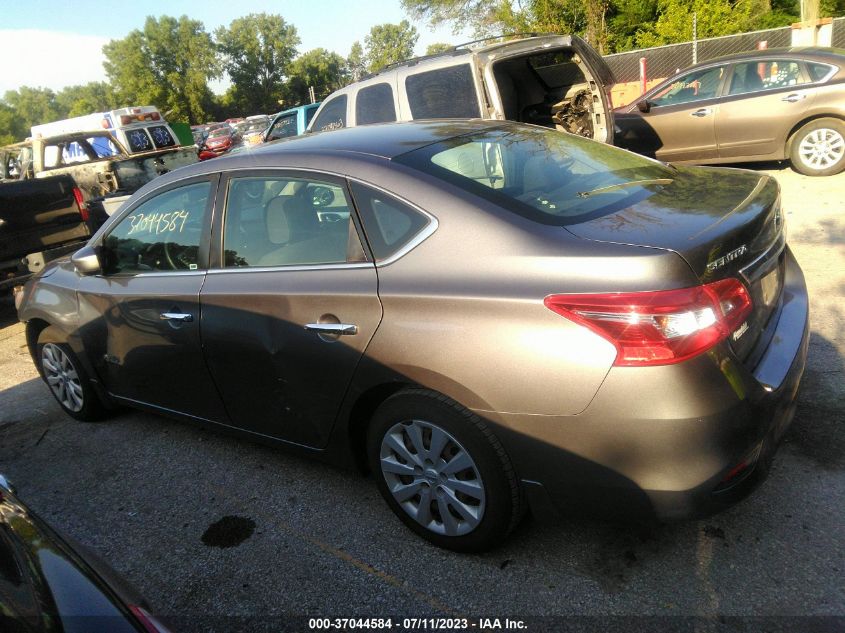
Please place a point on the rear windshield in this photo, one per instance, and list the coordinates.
(543, 175)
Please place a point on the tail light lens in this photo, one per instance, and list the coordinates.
(660, 327)
(80, 204)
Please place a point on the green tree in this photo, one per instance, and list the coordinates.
(714, 18)
(32, 106)
(437, 47)
(257, 51)
(11, 127)
(95, 96)
(318, 68)
(390, 43)
(167, 64)
(356, 63)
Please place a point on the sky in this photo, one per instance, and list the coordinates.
(53, 44)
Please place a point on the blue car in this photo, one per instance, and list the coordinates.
(291, 122)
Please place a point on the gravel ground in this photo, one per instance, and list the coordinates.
(229, 535)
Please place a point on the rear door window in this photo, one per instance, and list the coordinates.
(162, 136)
(374, 104)
(758, 75)
(333, 115)
(445, 93)
(283, 221)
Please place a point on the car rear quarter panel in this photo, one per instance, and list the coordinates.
(464, 312)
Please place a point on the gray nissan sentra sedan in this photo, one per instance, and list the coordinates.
(490, 316)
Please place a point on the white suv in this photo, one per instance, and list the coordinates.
(557, 81)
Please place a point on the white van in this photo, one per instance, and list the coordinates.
(557, 81)
(138, 128)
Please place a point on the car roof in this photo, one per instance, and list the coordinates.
(813, 53)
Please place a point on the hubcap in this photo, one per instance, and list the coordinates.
(432, 477)
(822, 149)
(61, 376)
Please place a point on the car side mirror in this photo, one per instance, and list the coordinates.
(85, 261)
(643, 106)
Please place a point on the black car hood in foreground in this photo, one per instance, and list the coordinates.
(722, 222)
(46, 586)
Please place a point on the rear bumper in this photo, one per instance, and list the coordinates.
(669, 442)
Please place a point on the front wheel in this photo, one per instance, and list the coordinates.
(443, 472)
(818, 148)
(66, 378)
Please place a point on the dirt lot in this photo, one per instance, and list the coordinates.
(229, 535)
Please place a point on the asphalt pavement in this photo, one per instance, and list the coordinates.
(227, 535)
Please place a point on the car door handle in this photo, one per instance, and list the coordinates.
(794, 98)
(176, 316)
(702, 112)
(339, 329)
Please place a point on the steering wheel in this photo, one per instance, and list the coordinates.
(322, 196)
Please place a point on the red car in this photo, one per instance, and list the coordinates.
(219, 142)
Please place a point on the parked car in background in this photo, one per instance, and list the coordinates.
(50, 583)
(254, 128)
(220, 141)
(762, 105)
(485, 313)
(557, 81)
(291, 122)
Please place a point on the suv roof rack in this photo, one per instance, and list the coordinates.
(450, 51)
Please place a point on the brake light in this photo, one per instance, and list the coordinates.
(659, 327)
(125, 119)
(155, 116)
(80, 204)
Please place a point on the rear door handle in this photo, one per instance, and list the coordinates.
(794, 98)
(176, 316)
(702, 112)
(338, 329)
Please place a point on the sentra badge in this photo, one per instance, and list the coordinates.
(734, 254)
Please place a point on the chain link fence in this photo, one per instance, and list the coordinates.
(663, 61)
(838, 40)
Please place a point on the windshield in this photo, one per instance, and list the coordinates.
(544, 175)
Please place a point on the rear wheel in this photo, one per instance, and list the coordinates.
(443, 472)
(66, 377)
(818, 148)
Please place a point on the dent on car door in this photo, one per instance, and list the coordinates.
(139, 317)
(291, 305)
(778, 88)
(680, 122)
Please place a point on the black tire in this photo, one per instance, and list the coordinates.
(818, 148)
(71, 386)
(495, 501)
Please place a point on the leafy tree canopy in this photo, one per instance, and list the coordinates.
(168, 64)
(318, 68)
(257, 51)
(390, 43)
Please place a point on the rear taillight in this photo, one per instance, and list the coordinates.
(660, 327)
(80, 204)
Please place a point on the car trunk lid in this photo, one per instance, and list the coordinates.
(724, 223)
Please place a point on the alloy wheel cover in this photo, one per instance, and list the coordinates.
(432, 477)
(62, 377)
